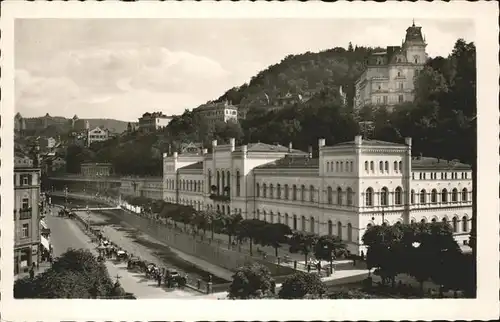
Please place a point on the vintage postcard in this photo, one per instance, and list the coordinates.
(249, 161)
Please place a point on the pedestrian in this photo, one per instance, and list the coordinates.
(32, 271)
(362, 255)
(308, 267)
(159, 279)
(318, 267)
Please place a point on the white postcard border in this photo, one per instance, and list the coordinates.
(484, 307)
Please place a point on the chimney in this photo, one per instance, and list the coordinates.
(358, 140)
(290, 147)
(321, 143)
(310, 151)
(232, 143)
(408, 141)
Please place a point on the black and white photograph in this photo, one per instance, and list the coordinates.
(274, 158)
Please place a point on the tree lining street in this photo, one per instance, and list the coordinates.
(65, 233)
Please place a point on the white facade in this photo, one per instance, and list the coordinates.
(218, 112)
(97, 135)
(349, 187)
(389, 76)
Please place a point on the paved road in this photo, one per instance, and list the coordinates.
(65, 234)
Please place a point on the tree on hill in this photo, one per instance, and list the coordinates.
(302, 285)
(303, 243)
(251, 282)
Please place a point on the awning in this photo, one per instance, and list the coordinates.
(44, 225)
(45, 243)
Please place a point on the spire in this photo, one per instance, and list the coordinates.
(413, 24)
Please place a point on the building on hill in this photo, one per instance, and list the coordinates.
(191, 148)
(28, 242)
(388, 78)
(150, 122)
(348, 188)
(218, 112)
(97, 135)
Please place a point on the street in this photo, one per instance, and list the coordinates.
(65, 234)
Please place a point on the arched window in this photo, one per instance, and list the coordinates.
(286, 219)
(349, 196)
(465, 224)
(369, 197)
(271, 217)
(228, 178)
(366, 166)
(311, 225)
(395, 166)
(302, 193)
(294, 222)
(303, 223)
(423, 221)
(278, 191)
(398, 196)
(341, 166)
(413, 221)
(423, 196)
(294, 192)
(434, 196)
(400, 166)
(339, 196)
(209, 179)
(339, 229)
(444, 196)
(384, 196)
(257, 214)
(328, 167)
(195, 186)
(454, 195)
(369, 226)
(349, 232)
(412, 196)
(238, 184)
(257, 190)
(433, 220)
(372, 166)
(311, 193)
(330, 227)
(218, 182)
(286, 192)
(271, 191)
(464, 194)
(223, 181)
(455, 224)
(329, 193)
(386, 166)
(381, 166)
(264, 190)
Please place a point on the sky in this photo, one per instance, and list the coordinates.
(122, 68)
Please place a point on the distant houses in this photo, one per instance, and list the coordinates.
(151, 122)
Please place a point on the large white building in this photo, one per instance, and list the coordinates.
(388, 78)
(349, 187)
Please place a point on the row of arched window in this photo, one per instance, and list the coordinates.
(383, 166)
(340, 166)
(223, 179)
(444, 175)
(186, 185)
(293, 223)
(341, 196)
(422, 197)
(458, 225)
(283, 192)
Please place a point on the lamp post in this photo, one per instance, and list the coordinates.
(330, 256)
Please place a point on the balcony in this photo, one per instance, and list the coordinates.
(25, 213)
(226, 196)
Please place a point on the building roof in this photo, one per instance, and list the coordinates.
(194, 166)
(292, 161)
(427, 163)
(264, 147)
(366, 142)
